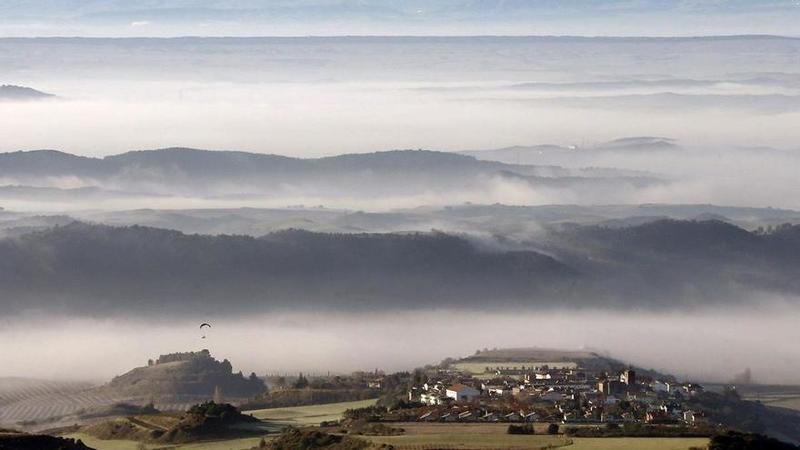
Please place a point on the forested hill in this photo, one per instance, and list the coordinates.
(96, 268)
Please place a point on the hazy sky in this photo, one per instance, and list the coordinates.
(385, 17)
(324, 119)
(318, 97)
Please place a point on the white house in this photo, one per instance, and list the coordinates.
(432, 398)
(497, 390)
(462, 393)
(694, 417)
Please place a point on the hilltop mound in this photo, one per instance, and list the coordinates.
(640, 144)
(190, 374)
(540, 356)
(293, 438)
(533, 354)
(204, 421)
(209, 420)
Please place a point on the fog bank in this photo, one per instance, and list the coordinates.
(100, 118)
(706, 346)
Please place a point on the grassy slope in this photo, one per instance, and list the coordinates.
(501, 441)
(233, 444)
(308, 415)
(471, 441)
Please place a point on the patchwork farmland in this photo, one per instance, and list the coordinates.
(36, 404)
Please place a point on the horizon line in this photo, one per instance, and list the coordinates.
(418, 36)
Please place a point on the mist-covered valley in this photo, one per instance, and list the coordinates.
(319, 96)
(576, 121)
(339, 204)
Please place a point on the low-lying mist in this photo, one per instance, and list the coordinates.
(709, 345)
(311, 119)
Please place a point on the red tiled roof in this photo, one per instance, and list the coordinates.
(458, 387)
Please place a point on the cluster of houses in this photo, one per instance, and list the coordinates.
(567, 395)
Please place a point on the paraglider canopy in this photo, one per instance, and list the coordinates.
(204, 324)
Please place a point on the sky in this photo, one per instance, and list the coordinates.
(410, 17)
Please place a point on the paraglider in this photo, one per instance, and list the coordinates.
(204, 324)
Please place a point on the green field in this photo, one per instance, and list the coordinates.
(420, 436)
(308, 415)
(480, 441)
(535, 442)
(233, 444)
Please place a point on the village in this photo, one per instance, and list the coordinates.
(569, 395)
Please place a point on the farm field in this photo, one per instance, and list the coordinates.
(33, 404)
(17, 389)
(232, 444)
(637, 443)
(308, 415)
(788, 403)
(493, 436)
(471, 441)
(23, 399)
(778, 396)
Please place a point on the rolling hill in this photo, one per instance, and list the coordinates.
(183, 171)
(143, 267)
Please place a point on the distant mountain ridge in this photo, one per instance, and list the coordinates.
(551, 153)
(183, 171)
(21, 93)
